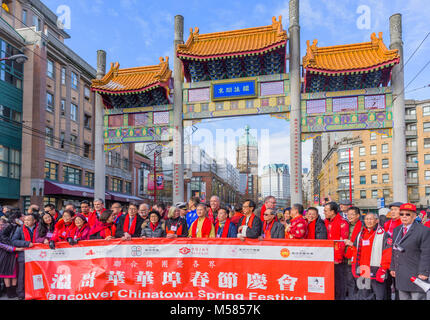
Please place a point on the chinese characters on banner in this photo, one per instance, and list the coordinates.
(185, 269)
(159, 181)
(242, 89)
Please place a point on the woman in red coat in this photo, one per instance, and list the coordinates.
(82, 230)
(105, 227)
(65, 227)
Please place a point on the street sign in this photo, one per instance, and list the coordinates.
(381, 203)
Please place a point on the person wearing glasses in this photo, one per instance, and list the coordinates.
(272, 229)
(411, 254)
(129, 225)
(249, 225)
(269, 203)
(117, 210)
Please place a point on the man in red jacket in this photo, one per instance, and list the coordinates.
(337, 229)
(298, 227)
(95, 215)
(395, 221)
(355, 226)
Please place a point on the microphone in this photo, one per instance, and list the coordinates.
(422, 284)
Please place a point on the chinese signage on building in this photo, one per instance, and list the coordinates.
(234, 90)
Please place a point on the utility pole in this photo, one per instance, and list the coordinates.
(99, 152)
(400, 189)
(178, 127)
(295, 114)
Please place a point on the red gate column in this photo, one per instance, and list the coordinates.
(178, 129)
(295, 115)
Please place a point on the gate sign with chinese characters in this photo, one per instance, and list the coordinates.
(234, 90)
(182, 269)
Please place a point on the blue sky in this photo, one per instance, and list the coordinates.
(137, 33)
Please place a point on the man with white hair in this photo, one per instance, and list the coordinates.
(269, 203)
(214, 204)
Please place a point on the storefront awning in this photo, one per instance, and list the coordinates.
(56, 188)
(123, 197)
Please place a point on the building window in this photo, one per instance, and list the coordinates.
(426, 143)
(24, 18)
(373, 150)
(51, 171)
(87, 93)
(7, 114)
(373, 136)
(109, 158)
(374, 179)
(50, 69)
(126, 164)
(385, 148)
(49, 136)
(87, 121)
(73, 112)
(363, 194)
(374, 164)
(89, 179)
(74, 78)
(385, 178)
(427, 191)
(385, 163)
(374, 194)
(62, 139)
(72, 175)
(427, 175)
(87, 150)
(426, 126)
(49, 102)
(427, 159)
(362, 151)
(386, 193)
(426, 111)
(63, 75)
(36, 23)
(10, 160)
(74, 142)
(128, 187)
(116, 185)
(63, 107)
(363, 180)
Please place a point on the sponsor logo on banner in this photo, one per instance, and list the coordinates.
(194, 251)
(136, 251)
(316, 285)
(184, 250)
(43, 254)
(38, 282)
(285, 253)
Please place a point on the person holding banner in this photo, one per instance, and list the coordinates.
(298, 227)
(337, 229)
(224, 228)
(192, 210)
(316, 226)
(24, 237)
(272, 229)
(45, 229)
(176, 226)
(370, 254)
(82, 230)
(155, 227)
(105, 227)
(249, 225)
(202, 227)
(129, 225)
(64, 228)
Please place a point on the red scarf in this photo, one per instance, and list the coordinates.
(251, 219)
(104, 229)
(153, 226)
(27, 236)
(79, 232)
(268, 229)
(356, 231)
(263, 209)
(178, 230)
(132, 228)
(206, 228)
(225, 230)
(311, 229)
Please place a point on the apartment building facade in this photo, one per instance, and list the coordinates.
(58, 117)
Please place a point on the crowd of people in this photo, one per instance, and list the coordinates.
(377, 257)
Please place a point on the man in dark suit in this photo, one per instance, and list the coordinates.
(129, 225)
(249, 225)
(272, 229)
(411, 254)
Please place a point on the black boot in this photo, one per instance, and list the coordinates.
(11, 292)
(14, 291)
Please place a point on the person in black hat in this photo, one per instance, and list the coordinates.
(154, 228)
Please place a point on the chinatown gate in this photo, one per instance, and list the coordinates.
(244, 72)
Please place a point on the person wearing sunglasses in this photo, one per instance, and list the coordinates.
(411, 254)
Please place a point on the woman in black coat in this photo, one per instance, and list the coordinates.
(154, 228)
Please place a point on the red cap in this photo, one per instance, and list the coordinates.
(413, 279)
(409, 207)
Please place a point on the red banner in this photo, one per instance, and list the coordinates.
(182, 269)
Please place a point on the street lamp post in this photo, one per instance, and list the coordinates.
(19, 58)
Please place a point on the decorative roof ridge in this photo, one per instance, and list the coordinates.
(196, 36)
(162, 73)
